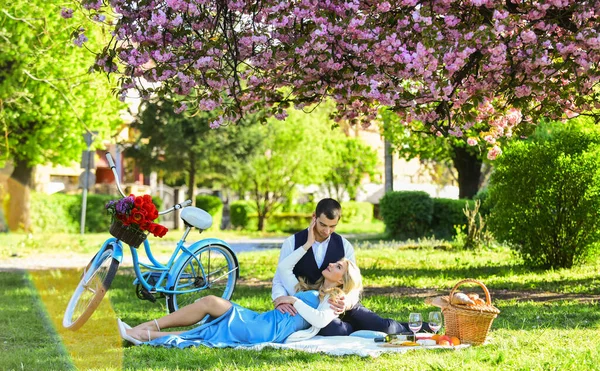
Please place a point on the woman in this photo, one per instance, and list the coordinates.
(232, 325)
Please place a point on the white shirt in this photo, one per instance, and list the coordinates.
(281, 288)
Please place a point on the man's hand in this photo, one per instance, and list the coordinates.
(338, 304)
(284, 304)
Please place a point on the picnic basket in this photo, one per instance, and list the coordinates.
(131, 236)
(470, 323)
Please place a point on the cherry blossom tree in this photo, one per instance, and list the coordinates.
(481, 70)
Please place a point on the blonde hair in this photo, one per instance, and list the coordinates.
(352, 280)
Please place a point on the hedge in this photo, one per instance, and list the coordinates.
(448, 213)
(407, 215)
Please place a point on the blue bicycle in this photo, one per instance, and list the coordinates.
(206, 267)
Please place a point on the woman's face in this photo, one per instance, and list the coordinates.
(335, 272)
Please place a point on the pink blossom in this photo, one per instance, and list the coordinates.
(472, 141)
(494, 152)
(384, 6)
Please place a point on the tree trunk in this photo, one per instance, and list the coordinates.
(192, 179)
(468, 167)
(261, 223)
(19, 188)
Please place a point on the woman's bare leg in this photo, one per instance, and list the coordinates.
(186, 316)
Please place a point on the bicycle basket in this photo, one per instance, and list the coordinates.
(131, 236)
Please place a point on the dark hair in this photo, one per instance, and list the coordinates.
(330, 207)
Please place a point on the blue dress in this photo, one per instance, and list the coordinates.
(240, 326)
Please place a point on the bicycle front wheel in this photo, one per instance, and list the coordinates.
(211, 270)
(90, 291)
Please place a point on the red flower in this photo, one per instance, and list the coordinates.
(138, 212)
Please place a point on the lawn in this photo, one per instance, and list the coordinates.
(549, 320)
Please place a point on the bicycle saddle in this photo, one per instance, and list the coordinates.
(196, 217)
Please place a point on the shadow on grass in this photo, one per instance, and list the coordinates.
(589, 285)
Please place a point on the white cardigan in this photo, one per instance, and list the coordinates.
(318, 318)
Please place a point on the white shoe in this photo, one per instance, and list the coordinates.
(123, 327)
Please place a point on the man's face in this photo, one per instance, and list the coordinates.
(324, 227)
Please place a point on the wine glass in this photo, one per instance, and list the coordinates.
(435, 321)
(415, 322)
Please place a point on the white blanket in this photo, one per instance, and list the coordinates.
(346, 345)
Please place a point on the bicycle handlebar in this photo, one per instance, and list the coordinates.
(113, 167)
(176, 207)
(111, 163)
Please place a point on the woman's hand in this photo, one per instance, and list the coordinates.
(311, 234)
(284, 300)
(338, 304)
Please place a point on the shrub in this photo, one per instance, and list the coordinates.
(448, 213)
(406, 214)
(55, 213)
(212, 205)
(357, 212)
(545, 194)
(239, 214)
(61, 213)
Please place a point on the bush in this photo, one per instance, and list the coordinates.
(448, 213)
(357, 212)
(545, 194)
(239, 214)
(214, 206)
(55, 213)
(406, 214)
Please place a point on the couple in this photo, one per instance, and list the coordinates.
(316, 281)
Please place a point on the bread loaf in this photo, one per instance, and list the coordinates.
(461, 299)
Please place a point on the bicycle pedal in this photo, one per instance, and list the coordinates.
(144, 294)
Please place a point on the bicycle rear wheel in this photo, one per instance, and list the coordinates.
(90, 291)
(213, 269)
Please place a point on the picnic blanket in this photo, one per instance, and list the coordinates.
(360, 345)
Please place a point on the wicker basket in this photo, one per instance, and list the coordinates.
(132, 237)
(470, 323)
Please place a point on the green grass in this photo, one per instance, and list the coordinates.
(560, 331)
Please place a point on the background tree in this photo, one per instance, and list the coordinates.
(351, 161)
(414, 141)
(182, 144)
(289, 153)
(473, 69)
(47, 98)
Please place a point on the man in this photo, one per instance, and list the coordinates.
(329, 247)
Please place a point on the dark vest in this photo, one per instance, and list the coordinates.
(307, 266)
